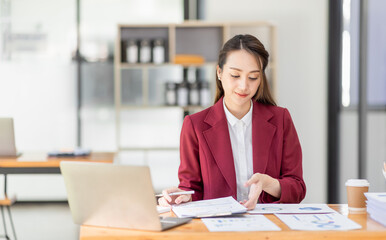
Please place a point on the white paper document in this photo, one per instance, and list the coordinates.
(209, 208)
(242, 223)
(318, 222)
(291, 208)
(162, 209)
(376, 196)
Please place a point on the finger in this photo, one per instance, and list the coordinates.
(254, 179)
(254, 194)
(250, 204)
(163, 202)
(166, 195)
(182, 198)
(166, 192)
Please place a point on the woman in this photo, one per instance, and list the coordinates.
(244, 145)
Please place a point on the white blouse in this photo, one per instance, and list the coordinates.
(240, 132)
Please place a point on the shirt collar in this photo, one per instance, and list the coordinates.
(247, 119)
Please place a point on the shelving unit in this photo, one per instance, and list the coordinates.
(141, 86)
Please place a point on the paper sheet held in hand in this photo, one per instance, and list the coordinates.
(209, 208)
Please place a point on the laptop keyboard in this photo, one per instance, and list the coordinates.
(169, 222)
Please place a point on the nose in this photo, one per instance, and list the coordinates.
(243, 83)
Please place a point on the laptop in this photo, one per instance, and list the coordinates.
(7, 138)
(117, 196)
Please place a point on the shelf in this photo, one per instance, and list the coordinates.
(153, 65)
(143, 86)
(205, 41)
(149, 107)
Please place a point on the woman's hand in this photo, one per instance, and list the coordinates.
(258, 183)
(166, 200)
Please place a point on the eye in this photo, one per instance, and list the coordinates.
(235, 76)
(254, 77)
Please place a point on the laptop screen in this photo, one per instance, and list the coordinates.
(7, 138)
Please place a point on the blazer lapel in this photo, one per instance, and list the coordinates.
(218, 140)
(262, 134)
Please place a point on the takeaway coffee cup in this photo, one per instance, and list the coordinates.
(355, 194)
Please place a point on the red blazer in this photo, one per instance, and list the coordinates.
(207, 161)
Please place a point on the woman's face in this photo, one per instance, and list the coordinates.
(240, 78)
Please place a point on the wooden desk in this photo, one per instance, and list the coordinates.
(37, 163)
(41, 162)
(197, 230)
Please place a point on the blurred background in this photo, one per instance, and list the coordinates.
(58, 76)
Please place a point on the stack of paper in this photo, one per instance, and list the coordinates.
(376, 206)
(209, 208)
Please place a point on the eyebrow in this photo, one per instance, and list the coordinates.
(242, 70)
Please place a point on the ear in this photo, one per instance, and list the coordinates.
(219, 72)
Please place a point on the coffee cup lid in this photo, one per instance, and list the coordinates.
(357, 183)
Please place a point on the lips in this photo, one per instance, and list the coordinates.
(242, 95)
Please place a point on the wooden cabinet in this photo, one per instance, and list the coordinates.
(141, 85)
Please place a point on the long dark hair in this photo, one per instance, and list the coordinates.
(252, 45)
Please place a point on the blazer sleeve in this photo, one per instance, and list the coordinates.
(189, 172)
(293, 188)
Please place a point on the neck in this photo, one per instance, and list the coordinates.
(236, 110)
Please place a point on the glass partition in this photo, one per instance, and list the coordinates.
(37, 72)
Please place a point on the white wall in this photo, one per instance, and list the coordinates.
(302, 28)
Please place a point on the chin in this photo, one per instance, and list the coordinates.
(241, 101)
